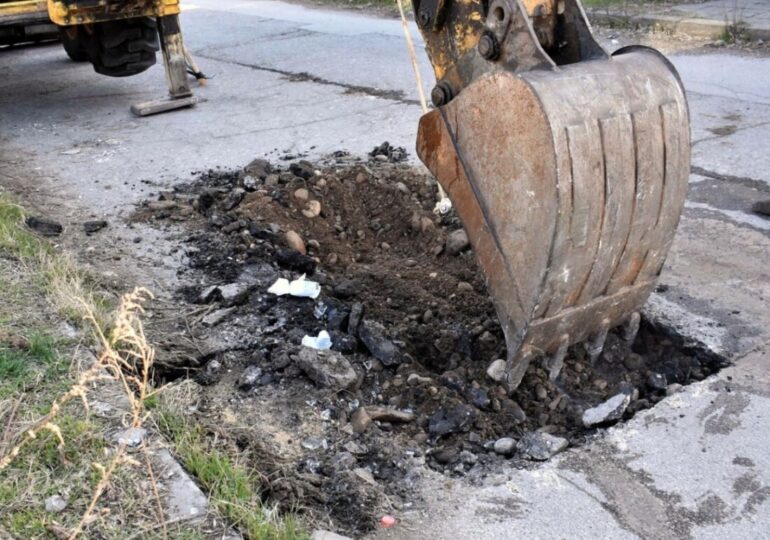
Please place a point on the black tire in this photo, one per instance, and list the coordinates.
(73, 39)
(124, 48)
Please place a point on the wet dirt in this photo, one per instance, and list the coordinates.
(407, 311)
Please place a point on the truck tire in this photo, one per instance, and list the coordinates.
(73, 40)
(124, 48)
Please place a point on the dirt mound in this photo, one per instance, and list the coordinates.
(406, 310)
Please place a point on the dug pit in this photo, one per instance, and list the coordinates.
(344, 434)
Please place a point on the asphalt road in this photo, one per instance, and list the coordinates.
(298, 80)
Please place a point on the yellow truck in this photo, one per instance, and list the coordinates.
(119, 38)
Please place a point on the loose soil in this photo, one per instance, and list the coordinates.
(375, 246)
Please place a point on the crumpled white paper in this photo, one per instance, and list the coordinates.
(322, 343)
(301, 288)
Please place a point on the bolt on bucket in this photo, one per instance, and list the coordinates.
(570, 182)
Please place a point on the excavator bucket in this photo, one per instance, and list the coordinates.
(569, 177)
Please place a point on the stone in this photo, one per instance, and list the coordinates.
(505, 446)
(354, 448)
(295, 242)
(91, 227)
(131, 437)
(354, 320)
(360, 420)
(457, 242)
(250, 183)
(387, 414)
(496, 371)
(303, 169)
(233, 199)
(464, 286)
(479, 397)
(233, 294)
(609, 411)
(657, 381)
(302, 195)
(365, 475)
(343, 343)
(259, 168)
(674, 388)
(513, 409)
(205, 202)
(292, 259)
(44, 226)
(328, 369)
(415, 380)
(312, 209)
(344, 289)
(454, 420)
(633, 362)
(314, 443)
(540, 446)
(249, 378)
(373, 337)
(55, 504)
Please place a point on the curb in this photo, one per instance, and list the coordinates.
(701, 28)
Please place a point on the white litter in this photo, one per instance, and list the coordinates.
(301, 288)
(322, 343)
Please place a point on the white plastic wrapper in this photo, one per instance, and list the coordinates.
(301, 288)
(322, 343)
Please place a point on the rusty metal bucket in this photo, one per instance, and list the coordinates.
(570, 182)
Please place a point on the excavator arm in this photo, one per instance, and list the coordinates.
(568, 167)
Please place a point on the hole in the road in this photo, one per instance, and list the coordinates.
(383, 257)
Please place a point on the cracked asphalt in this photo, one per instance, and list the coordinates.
(286, 78)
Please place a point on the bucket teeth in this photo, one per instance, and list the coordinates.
(555, 362)
(516, 367)
(595, 345)
(631, 327)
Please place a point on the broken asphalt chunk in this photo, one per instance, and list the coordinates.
(609, 411)
(373, 337)
(455, 420)
(44, 226)
(539, 446)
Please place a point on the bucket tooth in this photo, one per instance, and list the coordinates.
(516, 368)
(631, 327)
(555, 362)
(595, 345)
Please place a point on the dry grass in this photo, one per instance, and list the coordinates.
(51, 444)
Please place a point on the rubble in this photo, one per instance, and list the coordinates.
(609, 411)
(540, 446)
(328, 369)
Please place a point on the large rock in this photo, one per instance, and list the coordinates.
(540, 446)
(609, 411)
(328, 369)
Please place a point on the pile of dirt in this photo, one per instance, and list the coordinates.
(345, 433)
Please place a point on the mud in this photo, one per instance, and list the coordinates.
(407, 311)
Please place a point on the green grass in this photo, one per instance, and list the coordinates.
(233, 488)
(19, 368)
